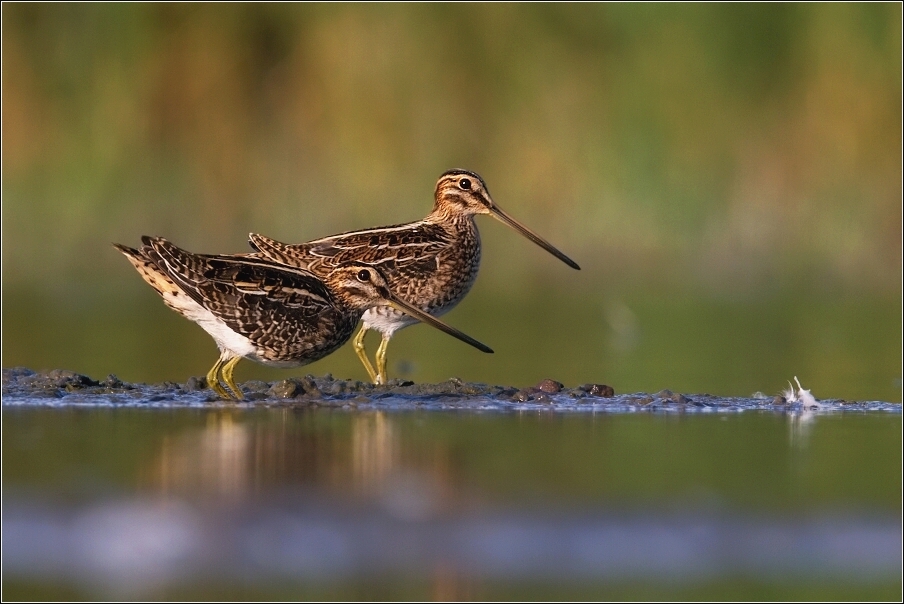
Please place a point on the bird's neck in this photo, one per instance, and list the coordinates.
(451, 220)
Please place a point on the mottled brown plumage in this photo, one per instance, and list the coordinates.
(431, 263)
(272, 314)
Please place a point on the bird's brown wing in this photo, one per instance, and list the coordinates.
(393, 249)
(275, 307)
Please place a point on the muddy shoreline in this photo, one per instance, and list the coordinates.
(25, 387)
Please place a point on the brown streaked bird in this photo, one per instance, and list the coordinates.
(431, 263)
(272, 314)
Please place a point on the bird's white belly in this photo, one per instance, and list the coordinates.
(225, 337)
(388, 320)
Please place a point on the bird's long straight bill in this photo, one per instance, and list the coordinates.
(506, 219)
(433, 321)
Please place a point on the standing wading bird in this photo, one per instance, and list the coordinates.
(265, 312)
(431, 263)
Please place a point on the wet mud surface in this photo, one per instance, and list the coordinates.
(24, 387)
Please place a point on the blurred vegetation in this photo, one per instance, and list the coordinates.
(737, 157)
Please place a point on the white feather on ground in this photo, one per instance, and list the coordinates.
(802, 396)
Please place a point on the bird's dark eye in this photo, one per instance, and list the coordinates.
(363, 276)
(464, 183)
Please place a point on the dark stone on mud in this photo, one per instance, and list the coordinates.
(550, 386)
(70, 380)
(194, 384)
(543, 398)
(309, 387)
(472, 389)
(337, 388)
(522, 396)
(453, 387)
(667, 396)
(601, 390)
(255, 386)
(285, 389)
(13, 374)
(112, 382)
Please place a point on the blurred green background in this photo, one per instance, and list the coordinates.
(728, 177)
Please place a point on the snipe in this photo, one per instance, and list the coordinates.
(275, 315)
(431, 263)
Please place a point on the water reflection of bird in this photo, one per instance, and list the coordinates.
(431, 263)
(265, 312)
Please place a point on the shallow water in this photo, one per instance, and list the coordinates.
(459, 491)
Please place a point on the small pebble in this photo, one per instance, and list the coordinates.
(550, 386)
(309, 386)
(112, 382)
(601, 390)
(285, 389)
(521, 396)
(255, 386)
(194, 384)
(337, 388)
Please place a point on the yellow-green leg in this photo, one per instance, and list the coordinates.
(358, 343)
(381, 361)
(227, 377)
(213, 379)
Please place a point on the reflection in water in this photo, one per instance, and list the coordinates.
(375, 452)
(359, 455)
(800, 425)
(213, 460)
(297, 496)
(229, 459)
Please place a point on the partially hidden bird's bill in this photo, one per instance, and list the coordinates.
(434, 322)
